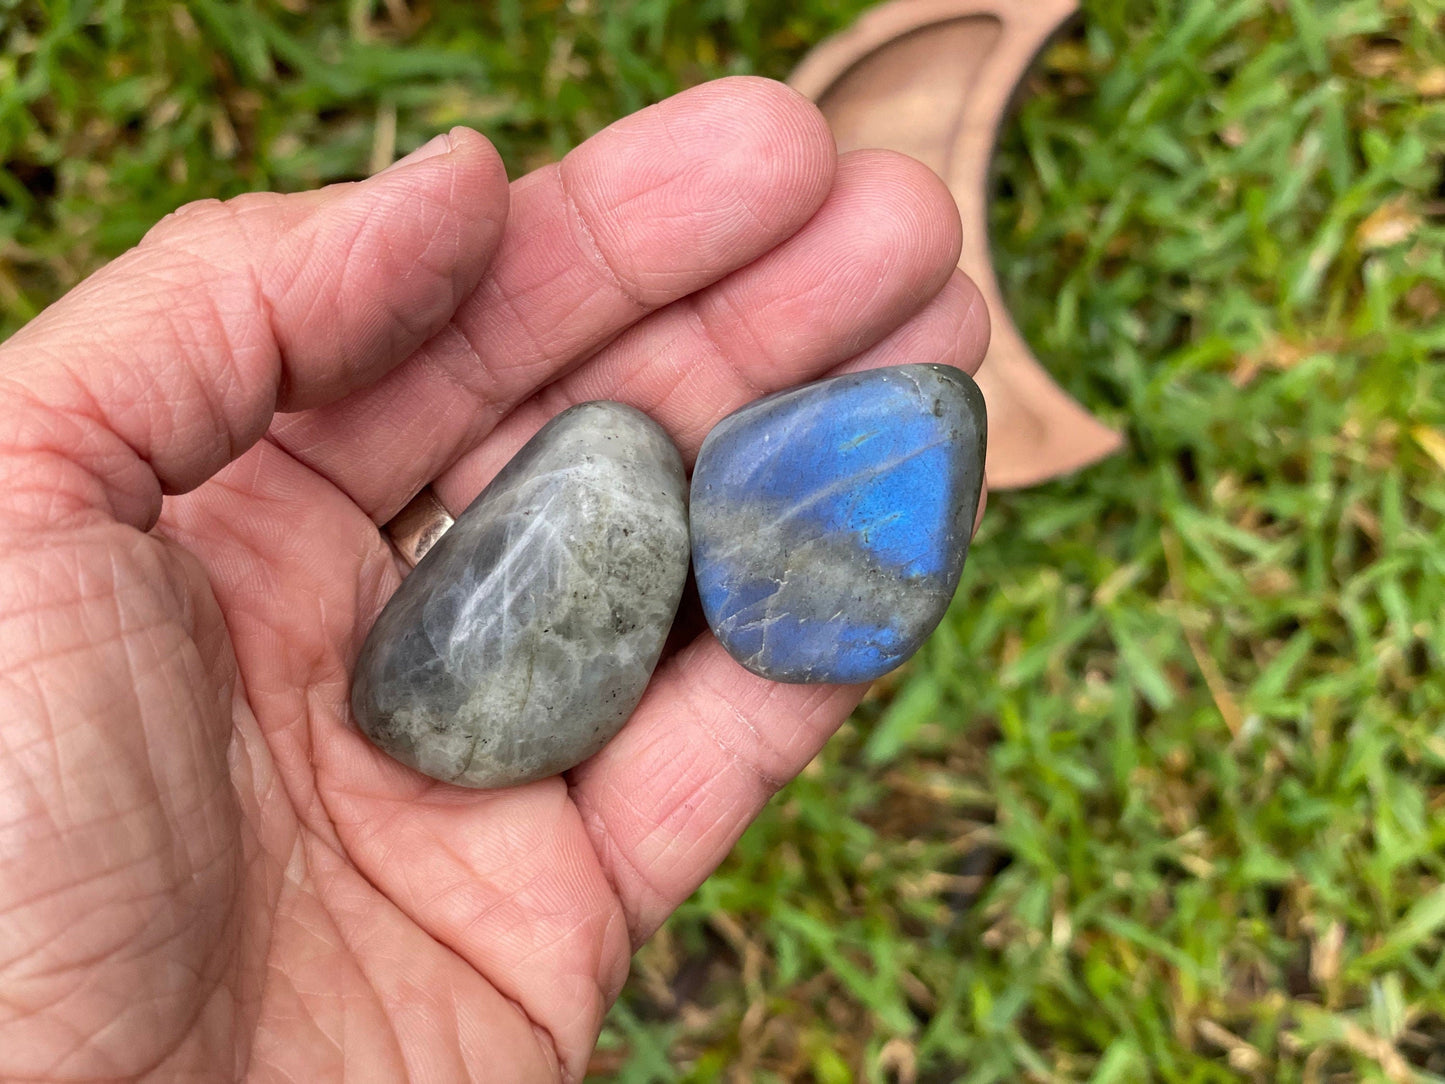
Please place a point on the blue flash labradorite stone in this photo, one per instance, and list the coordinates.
(830, 523)
(524, 638)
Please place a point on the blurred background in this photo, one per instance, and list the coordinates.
(1164, 799)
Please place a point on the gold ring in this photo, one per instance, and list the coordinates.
(418, 526)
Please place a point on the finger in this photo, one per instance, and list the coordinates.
(879, 254)
(710, 743)
(169, 362)
(651, 209)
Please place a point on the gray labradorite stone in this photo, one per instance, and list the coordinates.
(522, 641)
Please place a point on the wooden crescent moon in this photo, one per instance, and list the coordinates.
(934, 79)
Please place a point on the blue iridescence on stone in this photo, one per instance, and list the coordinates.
(830, 523)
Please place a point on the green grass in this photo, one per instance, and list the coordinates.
(1165, 797)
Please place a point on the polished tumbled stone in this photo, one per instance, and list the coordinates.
(524, 638)
(830, 523)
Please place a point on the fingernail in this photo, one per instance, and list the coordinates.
(430, 149)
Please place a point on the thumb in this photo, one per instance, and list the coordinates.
(169, 362)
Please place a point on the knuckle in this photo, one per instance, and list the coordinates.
(184, 218)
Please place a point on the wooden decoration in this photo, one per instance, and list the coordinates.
(934, 79)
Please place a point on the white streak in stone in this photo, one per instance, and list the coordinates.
(540, 614)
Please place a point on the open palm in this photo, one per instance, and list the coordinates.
(205, 871)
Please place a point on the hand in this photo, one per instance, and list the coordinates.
(205, 871)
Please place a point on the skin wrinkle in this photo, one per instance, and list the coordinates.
(551, 342)
(768, 782)
(97, 416)
(86, 644)
(609, 853)
(540, 356)
(665, 129)
(164, 1070)
(309, 1004)
(609, 980)
(32, 808)
(771, 778)
(438, 266)
(509, 897)
(687, 177)
(266, 312)
(256, 336)
(249, 549)
(306, 803)
(299, 801)
(116, 873)
(120, 872)
(318, 921)
(759, 222)
(50, 503)
(430, 264)
(734, 318)
(351, 279)
(108, 483)
(698, 318)
(185, 1032)
(48, 739)
(693, 178)
(552, 1050)
(633, 292)
(552, 1045)
(137, 707)
(115, 952)
(213, 422)
(269, 970)
(784, 148)
(479, 920)
(653, 400)
(680, 828)
(113, 813)
(215, 397)
(290, 387)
